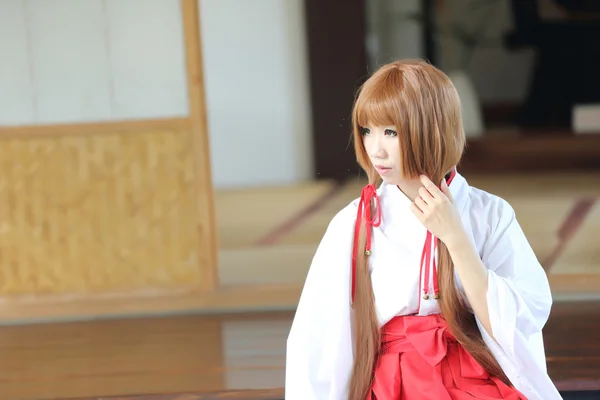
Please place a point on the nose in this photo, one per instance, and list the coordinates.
(375, 147)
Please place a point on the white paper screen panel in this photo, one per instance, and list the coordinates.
(147, 52)
(16, 89)
(75, 61)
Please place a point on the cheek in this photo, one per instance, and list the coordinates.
(367, 143)
(393, 150)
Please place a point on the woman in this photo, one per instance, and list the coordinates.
(424, 287)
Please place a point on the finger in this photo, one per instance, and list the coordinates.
(425, 195)
(421, 204)
(430, 186)
(417, 211)
(446, 190)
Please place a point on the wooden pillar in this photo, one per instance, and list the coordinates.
(338, 66)
(197, 102)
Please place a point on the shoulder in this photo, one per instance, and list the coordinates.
(344, 218)
(335, 248)
(480, 209)
(488, 206)
(500, 239)
(489, 216)
(340, 229)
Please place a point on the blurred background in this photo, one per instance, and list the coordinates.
(168, 168)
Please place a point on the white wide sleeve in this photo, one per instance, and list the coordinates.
(319, 352)
(519, 303)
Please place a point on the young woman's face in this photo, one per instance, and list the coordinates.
(383, 149)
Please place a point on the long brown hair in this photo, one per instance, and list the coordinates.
(423, 105)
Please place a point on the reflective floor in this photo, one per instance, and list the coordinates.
(239, 356)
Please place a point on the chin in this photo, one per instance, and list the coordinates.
(390, 180)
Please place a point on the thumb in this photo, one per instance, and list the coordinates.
(446, 190)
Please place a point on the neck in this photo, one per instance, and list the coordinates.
(410, 188)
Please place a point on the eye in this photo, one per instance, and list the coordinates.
(391, 133)
(364, 131)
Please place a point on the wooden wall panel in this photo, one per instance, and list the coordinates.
(84, 214)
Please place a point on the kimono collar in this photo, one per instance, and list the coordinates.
(456, 184)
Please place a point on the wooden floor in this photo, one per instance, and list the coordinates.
(215, 357)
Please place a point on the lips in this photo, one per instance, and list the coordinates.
(382, 170)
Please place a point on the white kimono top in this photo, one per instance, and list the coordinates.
(319, 347)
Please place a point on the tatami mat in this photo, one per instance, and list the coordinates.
(314, 226)
(245, 216)
(542, 204)
(572, 185)
(541, 219)
(266, 265)
(582, 255)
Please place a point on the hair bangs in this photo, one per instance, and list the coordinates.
(379, 102)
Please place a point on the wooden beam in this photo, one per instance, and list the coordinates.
(227, 299)
(544, 152)
(93, 128)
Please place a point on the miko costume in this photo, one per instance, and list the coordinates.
(419, 358)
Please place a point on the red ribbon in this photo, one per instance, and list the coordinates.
(428, 256)
(368, 194)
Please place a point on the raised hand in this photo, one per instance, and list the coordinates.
(436, 210)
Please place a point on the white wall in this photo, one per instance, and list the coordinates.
(73, 61)
(256, 80)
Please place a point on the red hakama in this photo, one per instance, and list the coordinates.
(421, 360)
